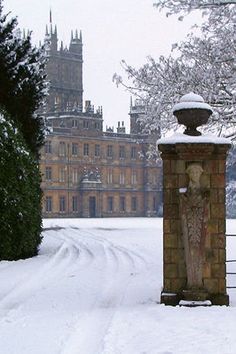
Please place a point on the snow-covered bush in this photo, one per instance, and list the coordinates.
(20, 202)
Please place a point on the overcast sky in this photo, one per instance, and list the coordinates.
(112, 31)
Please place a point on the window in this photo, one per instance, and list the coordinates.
(57, 100)
(62, 148)
(122, 177)
(110, 176)
(85, 124)
(74, 149)
(122, 203)
(133, 152)
(97, 150)
(86, 149)
(48, 147)
(109, 151)
(75, 175)
(155, 206)
(74, 123)
(48, 173)
(62, 204)
(97, 125)
(62, 174)
(48, 204)
(122, 152)
(133, 177)
(110, 204)
(133, 203)
(74, 203)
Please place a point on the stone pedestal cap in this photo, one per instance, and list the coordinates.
(192, 112)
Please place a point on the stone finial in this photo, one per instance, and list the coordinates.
(192, 112)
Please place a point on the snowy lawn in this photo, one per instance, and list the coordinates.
(95, 289)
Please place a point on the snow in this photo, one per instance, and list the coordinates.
(95, 288)
(191, 105)
(191, 101)
(186, 139)
(191, 97)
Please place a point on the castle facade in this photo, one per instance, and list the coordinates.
(88, 171)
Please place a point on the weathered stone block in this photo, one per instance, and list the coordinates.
(171, 240)
(222, 286)
(182, 270)
(222, 255)
(171, 270)
(221, 226)
(167, 197)
(175, 226)
(182, 181)
(209, 255)
(208, 240)
(218, 181)
(218, 241)
(171, 211)
(205, 181)
(180, 167)
(221, 196)
(167, 284)
(213, 195)
(212, 226)
(166, 167)
(217, 210)
(211, 166)
(175, 196)
(175, 255)
(173, 166)
(167, 255)
(211, 285)
(166, 226)
(178, 284)
(170, 299)
(218, 270)
(170, 181)
(222, 166)
(206, 270)
(220, 299)
(215, 256)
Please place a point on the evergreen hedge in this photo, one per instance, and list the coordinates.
(20, 196)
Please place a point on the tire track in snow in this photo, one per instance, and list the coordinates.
(119, 265)
(67, 253)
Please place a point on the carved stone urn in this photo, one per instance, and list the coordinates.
(192, 112)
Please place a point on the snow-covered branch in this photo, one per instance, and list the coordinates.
(185, 7)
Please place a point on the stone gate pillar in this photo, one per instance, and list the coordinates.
(194, 252)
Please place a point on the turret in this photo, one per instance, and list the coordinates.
(51, 37)
(121, 128)
(76, 43)
(136, 111)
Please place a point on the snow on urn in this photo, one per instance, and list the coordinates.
(192, 112)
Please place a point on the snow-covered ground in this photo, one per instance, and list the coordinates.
(95, 289)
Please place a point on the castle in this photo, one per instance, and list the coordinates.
(88, 171)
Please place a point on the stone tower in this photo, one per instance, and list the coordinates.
(64, 71)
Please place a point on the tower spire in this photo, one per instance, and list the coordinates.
(50, 16)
